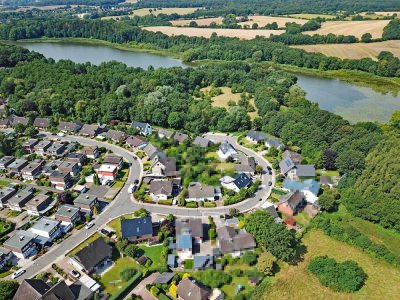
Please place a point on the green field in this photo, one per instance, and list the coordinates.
(153, 252)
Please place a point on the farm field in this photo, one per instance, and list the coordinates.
(200, 22)
(264, 20)
(382, 14)
(356, 28)
(354, 51)
(295, 282)
(312, 16)
(245, 34)
(167, 10)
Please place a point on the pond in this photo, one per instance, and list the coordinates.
(354, 103)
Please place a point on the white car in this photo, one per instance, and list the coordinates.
(89, 225)
(61, 134)
(18, 273)
(132, 188)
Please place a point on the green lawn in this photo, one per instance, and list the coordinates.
(230, 289)
(303, 219)
(3, 183)
(4, 226)
(84, 243)
(111, 279)
(225, 167)
(153, 252)
(116, 224)
(327, 173)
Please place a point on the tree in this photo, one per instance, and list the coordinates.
(212, 234)
(193, 24)
(259, 169)
(131, 250)
(249, 258)
(127, 273)
(254, 26)
(366, 37)
(328, 159)
(349, 161)
(265, 263)
(8, 289)
(234, 212)
(329, 200)
(96, 179)
(31, 131)
(141, 213)
(395, 119)
(121, 244)
(64, 198)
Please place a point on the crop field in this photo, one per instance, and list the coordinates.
(295, 282)
(245, 34)
(354, 51)
(356, 28)
(167, 10)
(264, 20)
(312, 16)
(200, 22)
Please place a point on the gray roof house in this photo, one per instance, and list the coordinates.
(38, 204)
(116, 135)
(91, 130)
(151, 151)
(202, 142)
(5, 194)
(42, 123)
(137, 229)
(198, 192)
(273, 142)
(247, 166)
(256, 136)
(189, 289)
(19, 120)
(17, 166)
(230, 241)
(180, 137)
(294, 156)
(160, 189)
(21, 243)
(291, 203)
(18, 201)
(144, 128)
(286, 165)
(202, 262)
(192, 225)
(226, 150)
(37, 289)
(5, 161)
(165, 133)
(136, 142)
(73, 126)
(162, 165)
(86, 202)
(68, 213)
(46, 230)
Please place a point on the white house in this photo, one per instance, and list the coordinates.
(226, 150)
(144, 128)
(235, 184)
(46, 230)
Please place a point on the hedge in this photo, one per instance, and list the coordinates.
(121, 293)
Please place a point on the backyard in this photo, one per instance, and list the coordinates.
(154, 254)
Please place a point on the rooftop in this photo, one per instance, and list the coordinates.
(67, 210)
(86, 199)
(136, 227)
(45, 224)
(20, 239)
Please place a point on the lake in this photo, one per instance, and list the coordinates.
(354, 103)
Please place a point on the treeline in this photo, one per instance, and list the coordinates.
(306, 39)
(10, 55)
(61, 2)
(193, 48)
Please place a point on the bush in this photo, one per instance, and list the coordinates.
(213, 278)
(131, 250)
(189, 264)
(266, 263)
(8, 289)
(127, 274)
(339, 277)
(209, 204)
(154, 291)
(191, 205)
(212, 234)
(249, 258)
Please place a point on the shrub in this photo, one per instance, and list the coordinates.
(131, 250)
(249, 258)
(8, 288)
(127, 274)
(339, 277)
(212, 234)
(213, 278)
(154, 291)
(266, 263)
(191, 205)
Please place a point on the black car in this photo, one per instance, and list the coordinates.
(136, 181)
(269, 183)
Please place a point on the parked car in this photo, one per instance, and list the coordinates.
(75, 274)
(89, 225)
(136, 181)
(269, 183)
(61, 134)
(18, 273)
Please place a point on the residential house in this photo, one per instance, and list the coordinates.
(189, 289)
(112, 159)
(107, 172)
(95, 255)
(90, 130)
(165, 133)
(15, 168)
(21, 243)
(70, 147)
(310, 189)
(296, 171)
(5, 161)
(86, 202)
(136, 142)
(5, 123)
(80, 188)
(19, 120)
(192, 225)
(69, 167)
(137, 229)
(29, 145)
(31, 171)
(256, 136)
(72, 127)
(56, 150)
(91, 152)
(240, 181)
(78, 158)
(226, 150)
(144, 128)
(41, 147)
(291, 203)
(5, 256)
(38, 204)
(161, 190)
(116, 135)
(151, 151)
(203, 262)
(184, 245)
(232, 242)
(198, 192)
(273, 142)
(202, 142)
(165, 278)
(69, 215)
(294, 156)
(37, 289)
(180, 137)
(247, 166)
(49, 168)
(5, 194)
(46, 230)
(60, 180)
(270, 207)
(42, 123)
(18, 201)
(162, 165)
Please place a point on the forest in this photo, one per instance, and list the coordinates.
(193, 48)
(61, 2)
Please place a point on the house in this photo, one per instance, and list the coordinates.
(234, 243)
(203, 262)
(21, 243)
(80, 188)
(86, 202)
(5, 256)
(5, 194)
(232, 222)
(151, 151)
(72, 127)
(91, 152)
(161, 190)
(15, 168)
(331, 181)
(95, 255)
(180, 137)
(69, 215)
(189, 289)
(70, 147)
(69, 167)
(42, 123)
(273, 142)
(144, 128)
(184, 245)
(162, 165)
(136, 142)
(19, 120)
(18, 201)
(112, 159)
(137, 229)
(291, 203)
(60, 180)
(31, 171)
(198, 192)
(5, 123)
(202, 142)
(38, 204)
(241, 181)
(5, 161)
(92, 131)
(165, 133)
(56, 150)
(294, 156)
(29, 145)
(192, 225)
(108, 172)
(116, 135)
(310, 189)
(78, 158)
(164, 278)
(226, 150)
(46, 230)
(83, 291)
(37, 289)
(41, 147)
(296, 171)
(247, 166)
(256, 136)
(270, 207)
